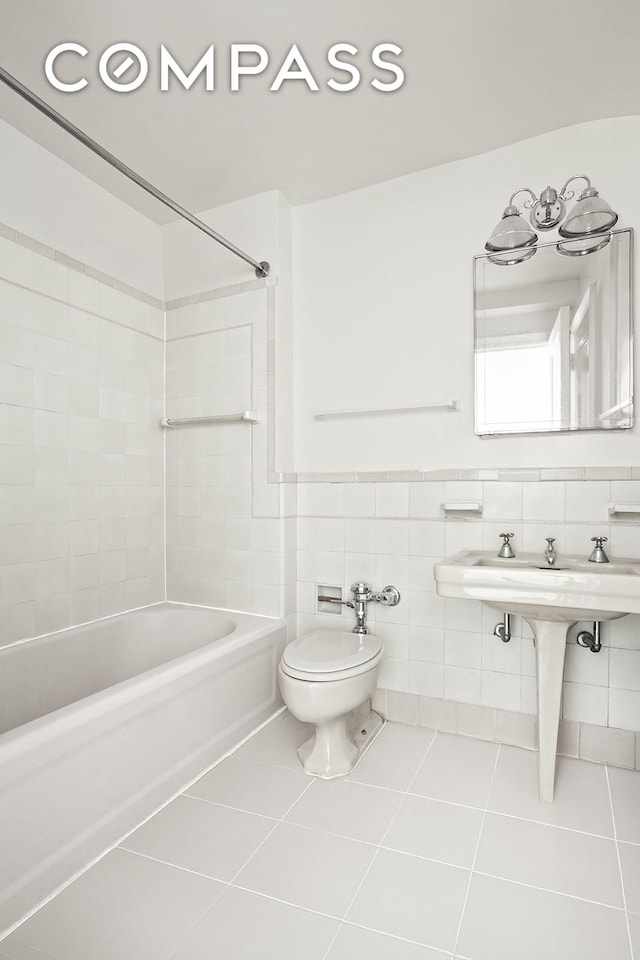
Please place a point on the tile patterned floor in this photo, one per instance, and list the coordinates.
(436, 848)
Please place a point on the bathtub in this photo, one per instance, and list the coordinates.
(101, 724)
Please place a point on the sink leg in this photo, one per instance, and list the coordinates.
(551, 639)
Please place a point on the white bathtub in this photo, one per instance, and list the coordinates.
(101, 724)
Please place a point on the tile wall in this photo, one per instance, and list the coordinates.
(82, 503)
(81, 452)
(230, 533)
(443, 650)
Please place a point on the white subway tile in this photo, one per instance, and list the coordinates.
(462, 535)
(359, 499)
(426, 610)
(584, 702)
(392, 499)
(500, 690)
(607, 745)
(462, 684)
(426, 679)
(624, 709)
(502, 501)
(624, 669)
(425, 499)
(543, 501)
(588, 502)
(462, 649)
(392, 536)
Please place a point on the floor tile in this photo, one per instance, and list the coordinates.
(245, 926)
(409, 897)
(308, 868)
(634, 930)
(348, 809)
(625, 797)
(277, 743)
(458, 769)
(630, 862)
(437, 830)
(255, 787)
(581, 794)
(503, 921)
(18, 951)
(394, 757)
(551, 857)
(201, 836)
(356, 943)
(124, 907)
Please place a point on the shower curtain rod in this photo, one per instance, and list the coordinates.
(262, 268)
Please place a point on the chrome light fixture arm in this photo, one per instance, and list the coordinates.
(584, 229)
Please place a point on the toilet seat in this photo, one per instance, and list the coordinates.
(331, 655)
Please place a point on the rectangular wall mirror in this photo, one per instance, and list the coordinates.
(554, 341)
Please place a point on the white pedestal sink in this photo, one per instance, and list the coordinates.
(551, 599)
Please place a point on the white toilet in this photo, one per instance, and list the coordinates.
(327, 678)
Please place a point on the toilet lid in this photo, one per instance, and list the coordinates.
(327, 651)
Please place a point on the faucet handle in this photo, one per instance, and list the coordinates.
(599, 541)
(550, 540)
(506, 550)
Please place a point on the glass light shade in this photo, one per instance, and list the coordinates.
(508, 258)
(582, 246)
(512, 232)
(591, 214)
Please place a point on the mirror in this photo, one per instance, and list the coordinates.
(554, 341)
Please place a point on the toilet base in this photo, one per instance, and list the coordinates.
(336, 746)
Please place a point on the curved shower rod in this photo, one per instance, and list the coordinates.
(261, 267)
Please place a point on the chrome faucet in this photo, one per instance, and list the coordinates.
(506, 550)
(598, 555)
(550, 552)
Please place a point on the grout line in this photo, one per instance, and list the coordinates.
(475, 854)
(170, 863)
(116, 844)
(276, 824)
(379, 845)
(622, 886)
(557, 893)
(392, 936)
(74, 306)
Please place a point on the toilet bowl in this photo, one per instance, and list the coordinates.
(327, 678)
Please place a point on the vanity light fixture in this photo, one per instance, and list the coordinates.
(583, 230)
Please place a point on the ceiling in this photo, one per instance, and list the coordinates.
(478, 76)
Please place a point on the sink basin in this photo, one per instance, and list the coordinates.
(551, 599)
(572, 589)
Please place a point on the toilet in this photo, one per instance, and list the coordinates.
(327, 678)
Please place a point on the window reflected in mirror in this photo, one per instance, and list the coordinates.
(554, 341)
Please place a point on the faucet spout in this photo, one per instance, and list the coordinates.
(550, 552)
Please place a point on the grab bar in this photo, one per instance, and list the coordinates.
(249, 416)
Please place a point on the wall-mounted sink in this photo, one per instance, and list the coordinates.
(551, 599)
(572, 589)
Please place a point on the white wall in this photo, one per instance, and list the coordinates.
(383, 305)
(46, 199)
(192, 262)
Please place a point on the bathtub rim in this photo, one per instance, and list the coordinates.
(17, 741)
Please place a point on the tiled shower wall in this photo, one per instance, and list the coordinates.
(444, 649)
(230, 533)
(81, 466)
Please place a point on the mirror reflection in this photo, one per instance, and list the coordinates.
(553, 341)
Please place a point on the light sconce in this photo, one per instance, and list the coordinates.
(584, 229)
